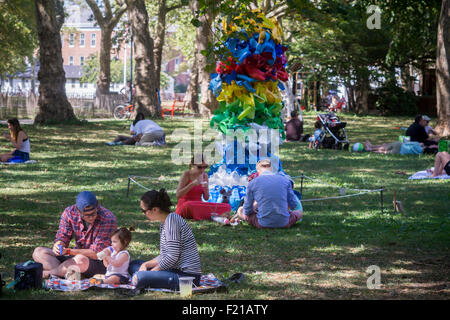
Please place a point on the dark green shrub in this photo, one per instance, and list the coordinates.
(393, 100)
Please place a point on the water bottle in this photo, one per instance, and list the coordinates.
(221, 220)
(101, 255)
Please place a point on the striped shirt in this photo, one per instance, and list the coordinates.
(178, 249)
(96, 236)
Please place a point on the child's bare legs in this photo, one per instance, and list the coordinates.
(439, 162)
(112, 280)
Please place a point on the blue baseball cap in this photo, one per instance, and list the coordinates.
(86, 199)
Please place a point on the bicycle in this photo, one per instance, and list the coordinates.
(123, 111)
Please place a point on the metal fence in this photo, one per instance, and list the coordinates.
(84, 106)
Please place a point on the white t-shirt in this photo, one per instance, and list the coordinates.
(146, 126)
(132, 128)
(123, 269)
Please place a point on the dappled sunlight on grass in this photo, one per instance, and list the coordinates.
(323, 257)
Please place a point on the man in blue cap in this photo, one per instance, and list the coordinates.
(91, 225)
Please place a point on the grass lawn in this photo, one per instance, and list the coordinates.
(324, 257)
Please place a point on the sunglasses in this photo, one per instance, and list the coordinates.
(93, 214)
(144, 211)
(202, 167)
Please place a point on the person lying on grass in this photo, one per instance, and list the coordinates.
(116, 258)
(92, 226)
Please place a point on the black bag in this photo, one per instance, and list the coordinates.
(28, 275)
(2, 283)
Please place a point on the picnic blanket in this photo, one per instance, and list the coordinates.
(208, 282)
(426, 175)
(17, 162)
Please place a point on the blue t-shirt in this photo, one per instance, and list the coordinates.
(274, 195)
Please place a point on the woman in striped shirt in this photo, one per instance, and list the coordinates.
(178, 249)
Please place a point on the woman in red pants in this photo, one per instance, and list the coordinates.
(192, 186)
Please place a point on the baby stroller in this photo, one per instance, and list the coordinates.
(331, 125)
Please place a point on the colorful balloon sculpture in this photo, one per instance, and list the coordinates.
(246, 84)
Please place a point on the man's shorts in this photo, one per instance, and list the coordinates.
(95, 266)
(293, 218)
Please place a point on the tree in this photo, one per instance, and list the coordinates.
(91, 70)
(164, 8)
(443, 70)
(106, 20)
(53, 103)
(145, 76)
(18, 38)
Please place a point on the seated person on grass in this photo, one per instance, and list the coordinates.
(294, 128)
(417, 132)
(92, 226)
(116, 260)
(316, 134)
(178, 249)
(19, 140)
(270, 201)
(441, 164)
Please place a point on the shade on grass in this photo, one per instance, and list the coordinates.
(326, 256)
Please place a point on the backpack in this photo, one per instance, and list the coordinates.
(411, 148)
(27, 275)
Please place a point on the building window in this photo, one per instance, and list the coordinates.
(71, 40)
(93, 38)
(73, 83)
(81, 61)
(71, 61)
(81, 39)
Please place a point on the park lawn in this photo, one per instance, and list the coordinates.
(323, 257)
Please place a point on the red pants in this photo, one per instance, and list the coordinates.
(199, 210)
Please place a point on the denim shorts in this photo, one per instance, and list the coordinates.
(24, 155)
(122, 279)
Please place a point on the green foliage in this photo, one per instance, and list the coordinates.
(164, 80)
(18, 37)
(394, 100)
(180, 88)
(91, 69)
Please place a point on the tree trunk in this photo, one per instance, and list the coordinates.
(361, 92)
(406, 78)
(351, 98)
(443, 71)
(104, 74)
(107, 20)
(145, 77)
(159, 40)
(53, 103)
(191, 96)
(208, 102)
